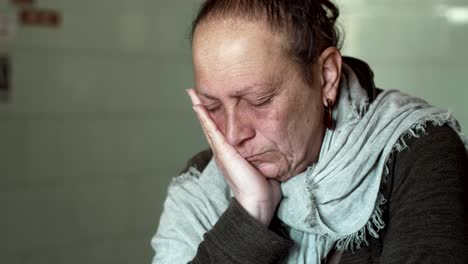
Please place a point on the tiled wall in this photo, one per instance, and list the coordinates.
(414, 46)
(97, 125)
(99, 121)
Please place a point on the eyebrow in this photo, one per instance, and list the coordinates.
(207, 96)
(244, 90)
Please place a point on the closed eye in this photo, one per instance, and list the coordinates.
(212, 108)
(262, 102)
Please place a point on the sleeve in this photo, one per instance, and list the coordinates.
(428, 209)
(187, 223)
(238, 238)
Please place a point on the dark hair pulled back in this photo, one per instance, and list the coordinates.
(310, 25)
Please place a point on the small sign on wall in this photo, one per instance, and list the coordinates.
(22, 2)
(5, 73)
(39, 17)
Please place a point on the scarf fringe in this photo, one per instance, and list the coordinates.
(359, 108)
(311, 218)
(436, 120)
(373, 226)
(376, 223)
(189, 174)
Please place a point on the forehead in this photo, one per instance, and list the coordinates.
(221, 37)
(237, 53)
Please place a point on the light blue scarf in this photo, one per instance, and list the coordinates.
(334, 203)
(341, 203)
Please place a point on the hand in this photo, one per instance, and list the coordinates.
(258, 195)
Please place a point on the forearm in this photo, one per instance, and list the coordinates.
(239, 238)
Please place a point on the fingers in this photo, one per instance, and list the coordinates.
(194, 97)
(207, 130)
(255, 193)
(214, 136)
(197, 103)
(205, 119)
(224, 153)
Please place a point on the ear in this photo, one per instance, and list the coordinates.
(330, 70)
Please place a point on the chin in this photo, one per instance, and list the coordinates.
(272, 171)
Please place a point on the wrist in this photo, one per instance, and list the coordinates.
(260, 212)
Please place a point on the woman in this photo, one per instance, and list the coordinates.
(311, 163)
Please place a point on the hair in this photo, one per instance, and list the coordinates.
(310, 25)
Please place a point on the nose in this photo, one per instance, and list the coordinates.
(238, 128)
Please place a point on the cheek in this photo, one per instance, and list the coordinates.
(307, 122)
(301, 125)
(273, 126)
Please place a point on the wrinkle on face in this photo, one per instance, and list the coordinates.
(234, 54)
(236, 62)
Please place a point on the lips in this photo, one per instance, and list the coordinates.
(255, 157)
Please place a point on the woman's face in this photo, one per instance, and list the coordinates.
(257, 97)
